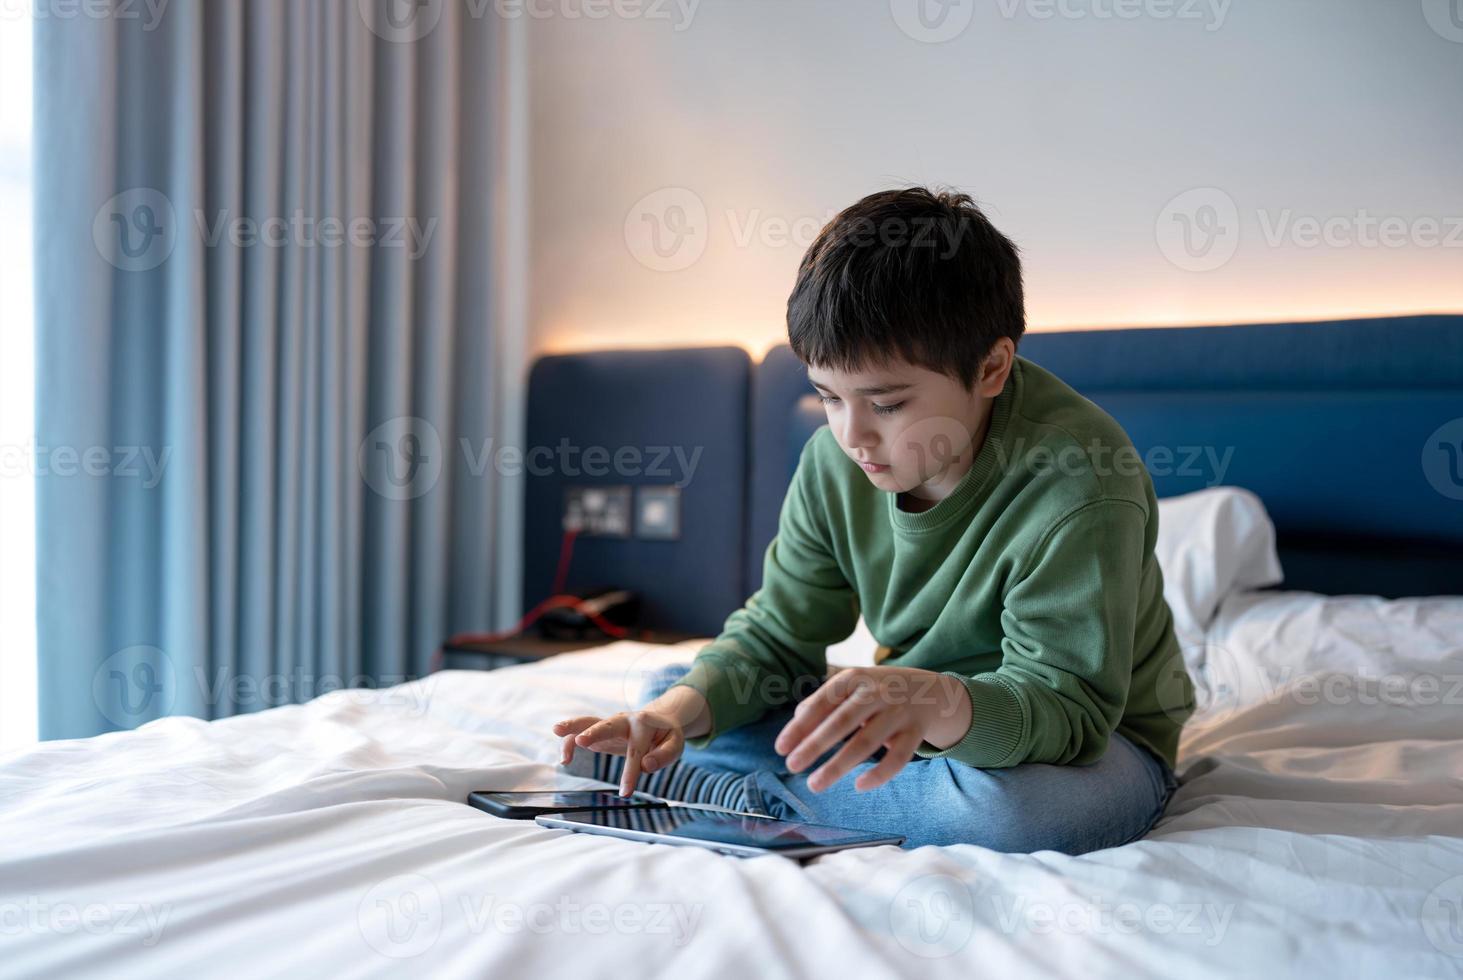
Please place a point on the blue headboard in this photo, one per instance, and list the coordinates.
(1350, 431)
(693, 400)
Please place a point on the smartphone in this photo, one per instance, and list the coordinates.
(527, 804)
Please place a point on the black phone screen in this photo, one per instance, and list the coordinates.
(550, 801)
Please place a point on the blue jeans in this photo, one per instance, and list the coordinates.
(1020, 809)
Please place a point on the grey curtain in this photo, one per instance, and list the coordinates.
(264, 338)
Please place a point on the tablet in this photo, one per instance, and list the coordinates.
(737, 834)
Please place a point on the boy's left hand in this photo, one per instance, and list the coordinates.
(894, 707)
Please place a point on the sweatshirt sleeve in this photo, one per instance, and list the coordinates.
(1067, 650)
(776, 645)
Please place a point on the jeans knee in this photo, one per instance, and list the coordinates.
(660, 680)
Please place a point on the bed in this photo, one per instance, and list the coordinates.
(1318, 829)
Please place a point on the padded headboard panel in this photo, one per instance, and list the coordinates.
(1351, 432)
(694, 400)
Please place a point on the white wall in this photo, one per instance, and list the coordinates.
(1075, 129)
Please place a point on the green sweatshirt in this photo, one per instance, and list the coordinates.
(1033, 582)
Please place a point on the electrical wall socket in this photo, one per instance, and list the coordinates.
(599, 511)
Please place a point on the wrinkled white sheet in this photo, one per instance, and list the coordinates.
(1312, 837)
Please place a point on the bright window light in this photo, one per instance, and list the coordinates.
(18, 710)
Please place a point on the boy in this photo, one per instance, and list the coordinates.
(1028, 691)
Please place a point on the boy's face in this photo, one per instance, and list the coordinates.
(910, 428)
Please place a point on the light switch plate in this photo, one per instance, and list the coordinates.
(658, 513)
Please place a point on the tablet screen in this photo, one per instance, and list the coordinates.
(724, 828)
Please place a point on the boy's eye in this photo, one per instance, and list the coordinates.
(878, 409)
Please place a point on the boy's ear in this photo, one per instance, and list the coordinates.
(995, 368)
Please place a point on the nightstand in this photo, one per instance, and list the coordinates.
(529, 648)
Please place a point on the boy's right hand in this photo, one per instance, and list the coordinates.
(648, 739)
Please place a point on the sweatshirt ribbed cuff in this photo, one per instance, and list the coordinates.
(708, 675)
(999, 725)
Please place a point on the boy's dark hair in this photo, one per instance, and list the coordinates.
(910, 273)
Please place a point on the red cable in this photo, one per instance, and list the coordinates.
(555, 601)
(566, 552)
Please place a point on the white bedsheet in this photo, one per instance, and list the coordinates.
(330, 839)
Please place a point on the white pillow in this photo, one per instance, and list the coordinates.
(1212, 543)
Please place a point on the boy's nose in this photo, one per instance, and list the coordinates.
(858, 434)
